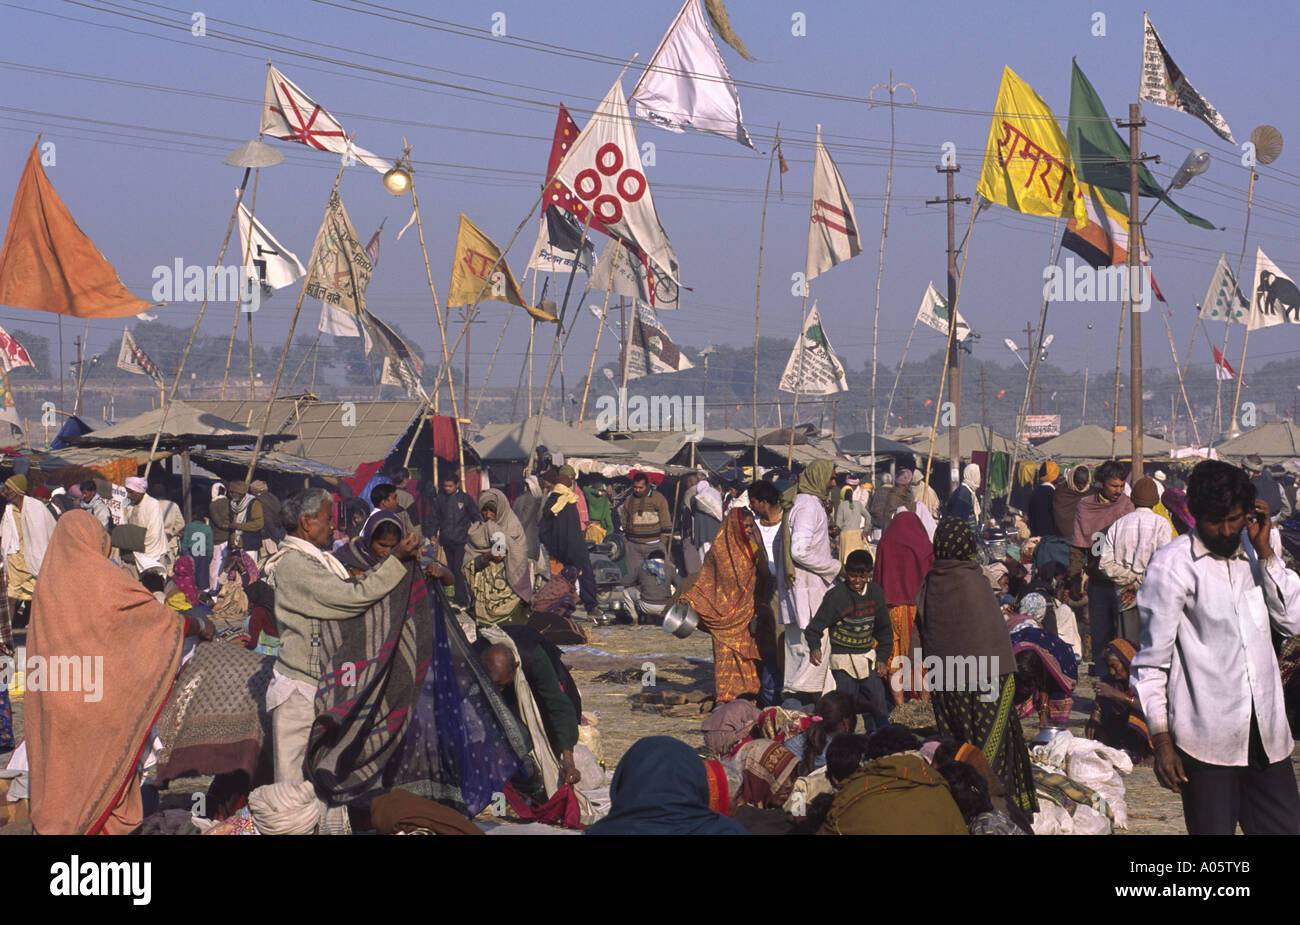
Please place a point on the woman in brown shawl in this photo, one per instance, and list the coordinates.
(960, 623)
(500, 584)
(83, 745)
(732, 578)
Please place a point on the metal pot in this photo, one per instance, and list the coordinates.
(680, 620)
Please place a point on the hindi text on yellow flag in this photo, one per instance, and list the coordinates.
(476, 256)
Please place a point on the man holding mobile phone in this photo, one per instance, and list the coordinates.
(1206, 674)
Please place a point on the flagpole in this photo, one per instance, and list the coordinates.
(180, 369)
(1182, 372)
(234, 330)
(600, 328)
(803, 311)
(889, 406)
(532, 330)
(491, 363)
(305, 357)
(279, 369)
(1119, 355)
(758, 286)
(1241, 367)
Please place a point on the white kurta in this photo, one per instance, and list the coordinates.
(815, 571)
(148, 514)
(37, 525)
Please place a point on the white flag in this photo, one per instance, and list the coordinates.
(686, 83)
(291, 115)
(934, 313)
(265, 258)
(341, 323)
(548, 257)
(9, 415)
(1224, 300)
(833, 228)
(1276, 299)
(1165, 85)
(134, 360)
(650, 350)
(603, 169)
(813, 368)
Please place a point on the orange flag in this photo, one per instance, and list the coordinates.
(49, 264)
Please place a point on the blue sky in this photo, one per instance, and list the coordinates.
(481, 135)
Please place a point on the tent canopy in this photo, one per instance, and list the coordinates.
(184, 424)
(1272, 442)
(1092, 443)
(512, 442)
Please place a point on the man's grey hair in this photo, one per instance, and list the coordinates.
(305, 503)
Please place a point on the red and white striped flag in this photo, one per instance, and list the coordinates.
(1221, 368)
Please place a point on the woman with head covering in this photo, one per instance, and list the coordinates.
(1047, 669)
(923, 494)
(1066, 500)
(496, 564)
(852, 518)
(959, 619)
(903, 557)
(806, 569)
(899, 497)
(1117, 719)
(965, 503)
(82, 750)
(662, 788)
(730, 582)
(380, 534)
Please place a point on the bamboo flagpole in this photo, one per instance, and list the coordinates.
(889, 406)
(1241, 366)
(234, 330)
(758, 284)
(803, 321)
(604, 309)
(1119, 356)
(491, 363)
(293, 323)
(207, 292)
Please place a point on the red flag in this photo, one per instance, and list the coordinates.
(1003, 392)
(1223, 371)
(1154, 288)
(566, 133)
(780, 156)
(372, 247)
(12, 353)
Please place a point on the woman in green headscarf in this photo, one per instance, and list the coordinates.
(807, 570)
(962, 625)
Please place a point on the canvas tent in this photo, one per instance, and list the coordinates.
(1090, 443)
(1273, 443)
(501, 443)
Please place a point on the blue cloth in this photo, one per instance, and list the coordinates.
(660, 788)
(463, 745)
(6, 720)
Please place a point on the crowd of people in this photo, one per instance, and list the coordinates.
(393, 662)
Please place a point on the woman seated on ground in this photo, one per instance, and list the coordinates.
(1046, 667)
(496, 564)
(1117, 719)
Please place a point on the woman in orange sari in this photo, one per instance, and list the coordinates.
(83, 745)
(733, 577)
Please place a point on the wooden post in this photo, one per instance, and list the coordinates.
(185, 484)
(758, 291)
(591, 370)
(1135, 124)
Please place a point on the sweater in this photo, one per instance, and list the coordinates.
(307, 592)
(647, 519)
(857, 624)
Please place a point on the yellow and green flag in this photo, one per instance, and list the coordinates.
(1027, 163)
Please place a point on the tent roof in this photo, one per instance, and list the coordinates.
(859, 444)
(1272, 442)
(510, 442)
(316, 430)
(272, 462)
(185, 423)
(1091, 442)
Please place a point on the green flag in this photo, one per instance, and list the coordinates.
(1094, 143)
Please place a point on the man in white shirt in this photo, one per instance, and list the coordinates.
(144, 511)
(1127, 547)
(1206, 676)
(24, 535)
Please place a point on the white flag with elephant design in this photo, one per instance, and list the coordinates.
(1276, 298)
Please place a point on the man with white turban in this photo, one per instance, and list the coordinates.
(145, 511)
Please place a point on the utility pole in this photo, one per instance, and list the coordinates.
(954, 347)
(1135, 159)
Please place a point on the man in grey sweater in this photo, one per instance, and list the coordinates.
(311, 586)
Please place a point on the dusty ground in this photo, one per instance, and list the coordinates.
(686, 666)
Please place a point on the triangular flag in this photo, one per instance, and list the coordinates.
(12, 353)
(402, 367)
(1027, 163)
(1103, 242)
(1224, 300)
(1222, 370)
(833, 226)
(340, 267)
(933, 313)
(266, 260)
(372, 246)
(558, 239)
(1098, 150)
(1276, 299)
(47, 262)
(603, 169)
(291, 115)
(478, 271)
(650, 350)
(813, 368)
(1165, 85)
(134, 360)
(687, 85)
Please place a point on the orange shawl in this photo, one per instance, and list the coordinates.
(83, 754)
(723, 593)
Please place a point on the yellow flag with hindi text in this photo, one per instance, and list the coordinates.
(1027, 163)
(476, 273)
